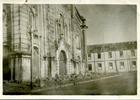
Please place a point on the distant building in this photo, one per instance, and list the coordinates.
(59, 42)
(113, 57)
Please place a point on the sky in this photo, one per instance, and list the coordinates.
(109, 23)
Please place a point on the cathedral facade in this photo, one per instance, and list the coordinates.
(43, 40)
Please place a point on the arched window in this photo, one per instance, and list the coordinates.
(66, 33)
(36, 50)
(78, 41)
(32, 24)
(30, 29)
(61, 22)
(58, 31)
(32, 18)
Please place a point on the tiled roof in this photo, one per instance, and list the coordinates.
(112, 47)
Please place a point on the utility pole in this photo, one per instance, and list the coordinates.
(115, 58)
(104, 52)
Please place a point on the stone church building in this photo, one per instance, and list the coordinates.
(43, 40)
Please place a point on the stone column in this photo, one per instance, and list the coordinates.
(46, 67)
(43, 71)
(84, 68)
(68, 67)
(11, 66)
(57, 66)
(77, 70)
(53, 69)
(80, 68)
(84, 40)
(17, 65)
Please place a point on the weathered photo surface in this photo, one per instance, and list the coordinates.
(67, 49)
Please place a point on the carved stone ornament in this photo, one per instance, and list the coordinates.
(66, 7)
(4, 14)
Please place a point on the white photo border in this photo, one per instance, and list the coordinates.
(134, 2)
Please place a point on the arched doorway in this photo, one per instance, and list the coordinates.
(62, 63)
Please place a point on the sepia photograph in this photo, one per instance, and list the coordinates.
(69, 49)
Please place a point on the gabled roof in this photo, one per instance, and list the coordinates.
(131, 45)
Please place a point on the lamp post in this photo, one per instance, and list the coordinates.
(49, 56)
(115, 58)
(31, 63)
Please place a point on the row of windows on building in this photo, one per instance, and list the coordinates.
(110, 54)
(110, 66)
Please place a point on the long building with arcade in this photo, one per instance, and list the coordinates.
(112, 57)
